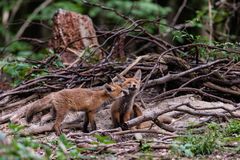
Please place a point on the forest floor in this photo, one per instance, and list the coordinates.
(148, 143)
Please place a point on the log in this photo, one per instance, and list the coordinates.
(151, 115)
(48, 127)
(221, 110)
(72, 33)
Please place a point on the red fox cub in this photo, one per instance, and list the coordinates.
(77, 99)
(123, 107)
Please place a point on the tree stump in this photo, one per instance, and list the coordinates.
(72, 33)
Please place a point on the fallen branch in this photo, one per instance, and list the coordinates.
(37, 129)
(143, 131)
(183, 107)
(204, 113)
(164, 126)
(171, 77)
(221, 89)
(130, 66)
(194, 90)
(18, 103)
(151, 115)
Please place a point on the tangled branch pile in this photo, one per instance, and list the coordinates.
(165, 75)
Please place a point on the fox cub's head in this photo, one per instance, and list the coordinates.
(131, 84)
(114, 90)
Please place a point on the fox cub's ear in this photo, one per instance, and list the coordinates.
(138, 75)
(108, 88)
(121, 79)
(109, 79)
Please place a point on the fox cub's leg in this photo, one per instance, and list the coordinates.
(115, 119)
(85, 124)
(124, 118)
(137, 112)
(48, 117)
(89, 117)
(60, 115)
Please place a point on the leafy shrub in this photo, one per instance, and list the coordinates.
(192, 144)
(233, 128)
(145, 147)
(16, 70)
(104, 139)
(22, 147)
(141, 9)
(28, 148)
(68, 150)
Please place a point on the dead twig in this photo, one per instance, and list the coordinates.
(194, 90)
(143, 131)
(171, 77)
(221, 89)
(20, 102)
(150, 116)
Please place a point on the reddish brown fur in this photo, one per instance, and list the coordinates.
(77, 99)
(123, 108)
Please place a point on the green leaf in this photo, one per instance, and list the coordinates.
(15, 127)
(104, 139)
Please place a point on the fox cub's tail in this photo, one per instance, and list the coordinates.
(38, 106)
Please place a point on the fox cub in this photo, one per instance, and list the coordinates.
(123, 107)
(77, 99)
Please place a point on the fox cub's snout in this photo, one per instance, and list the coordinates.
(131, 84)
(115, 91)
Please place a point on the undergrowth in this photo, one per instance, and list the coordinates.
(18, 147)
(214, 137)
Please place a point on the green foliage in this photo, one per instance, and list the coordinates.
(233, 128)
(202, 16)
(18, 46)
(57, 62)
(19, 50)
(7, 5)
(226, 45)
(192, 144)
(14, 65)
(22, 147)
(48, 12)
(216, 54)
(16, 70)
(184, 149)
(104, 139)
(28, 148)
(163, 26)
(198, 20)
(68, 150)
(142, 9)
(15, 128)
(215, 137)
(145, 147)
(89, 55)
(182, 36)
